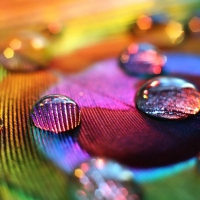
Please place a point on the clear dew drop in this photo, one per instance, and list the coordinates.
(142, 60)
(56, 113)
(168, 98)
(104, 179)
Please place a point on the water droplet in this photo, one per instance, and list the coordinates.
(14, 62)
(56, 113)
(142, 60)
(169, 98)
(105, 179)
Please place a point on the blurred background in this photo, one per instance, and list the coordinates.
(70, 36)
(43, 31)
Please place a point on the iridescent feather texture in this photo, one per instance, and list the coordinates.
(169, 98)
(56, 113)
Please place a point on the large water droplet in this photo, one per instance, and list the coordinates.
(105, 179)
(169, 98)
(142, 60)
(56, 113)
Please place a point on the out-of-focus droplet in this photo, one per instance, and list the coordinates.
(14, 62)
(168, 98)
(56, 113)
(194, 24)
(175, 31)
(105, 179)
(142, 60)
(144, 22)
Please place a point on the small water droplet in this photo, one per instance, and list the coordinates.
(169, 98)
(142, 60)
(56, 113)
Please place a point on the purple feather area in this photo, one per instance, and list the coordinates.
(112, 126)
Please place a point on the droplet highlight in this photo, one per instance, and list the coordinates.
(142, 60)
(168, 98)
(56, 113)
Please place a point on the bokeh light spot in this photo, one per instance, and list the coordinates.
(8, 53)
(15, 44)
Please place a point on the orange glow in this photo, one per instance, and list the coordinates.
(78, 173)
(144, 22)
(145, 96)
(154, 83)
(15, 44)
(194, 24)
(133, 48)
(8, 53)
(37, 43)
(174, 30)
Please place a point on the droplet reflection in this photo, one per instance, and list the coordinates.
(169, 98)
(142, 60)
(104, 179)
(56, 113)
